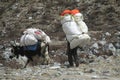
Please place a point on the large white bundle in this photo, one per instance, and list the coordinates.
(38, 34)
(80, 40)
(78, 18)
(66, 18)
(74, 27)
(28, 39)
(69, 26)
(82, 26)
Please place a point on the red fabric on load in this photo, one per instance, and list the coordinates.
(74, 11)
(67, 11)
(37, 32)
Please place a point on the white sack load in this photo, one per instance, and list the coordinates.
(28, 39)
(38, 34)
(78, 18)
(80, 40)
(82, 26)
(69, 26)
(75, 28)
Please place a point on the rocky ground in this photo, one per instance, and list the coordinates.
(102, 18)
(100, 69)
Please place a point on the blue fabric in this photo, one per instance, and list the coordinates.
(31, 47)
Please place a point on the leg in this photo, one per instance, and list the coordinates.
(39, 49)
(29, 59)
(47, 58)
(75, 55)
(26, 63)
(45, 52)
(69, 53)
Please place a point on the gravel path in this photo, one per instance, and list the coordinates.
(107, 69)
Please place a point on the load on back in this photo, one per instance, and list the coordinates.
(32, 36)
(75, 28)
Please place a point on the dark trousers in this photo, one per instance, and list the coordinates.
(72, 55)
